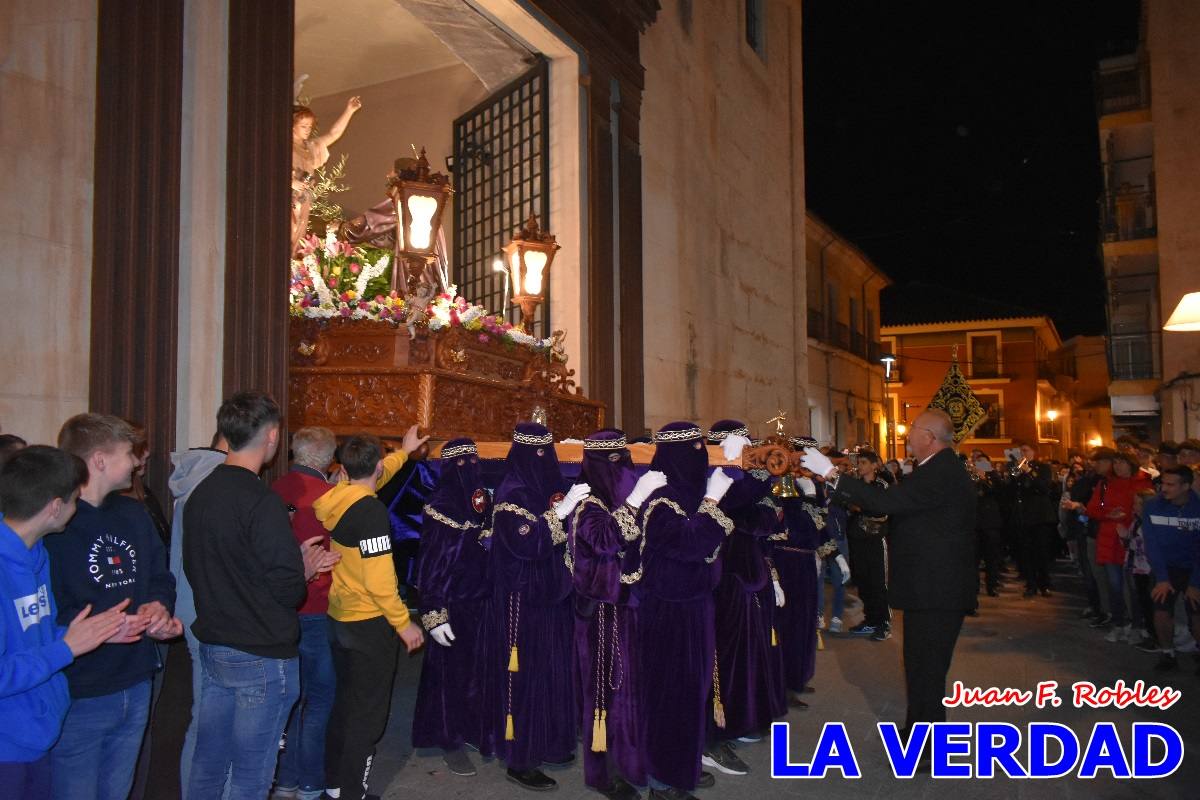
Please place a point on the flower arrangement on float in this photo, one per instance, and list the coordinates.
(334, 279)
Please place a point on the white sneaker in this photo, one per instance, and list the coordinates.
(1118, 634)
(835, 625)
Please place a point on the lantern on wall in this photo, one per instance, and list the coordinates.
(528, 258)
(420, 197)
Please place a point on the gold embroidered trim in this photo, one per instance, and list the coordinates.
(626, 518)
(430, 511)
(526, 438)
(628, 578)
(460, 450)
(513, 508)
(710, 508)
(817, 516)
(431, 619)
(485, 534)
(685, 435)
(558, 534)
(781, 536)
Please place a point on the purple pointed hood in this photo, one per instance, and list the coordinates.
(723, 429)
(681, 455)
(458, 481)
(607, 466)
(531, 472)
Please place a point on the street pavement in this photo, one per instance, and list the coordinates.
(1014, 642)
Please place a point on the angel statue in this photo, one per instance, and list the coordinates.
(309, 153)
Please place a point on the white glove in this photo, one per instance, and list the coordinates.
(733, 446)
(442, 634)
(778, 594)
(843, 566)
(816, 462)
(806, 486)
(574, 496)
(646, 485)
(718, 485)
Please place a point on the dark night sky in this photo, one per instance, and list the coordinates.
(956, 144)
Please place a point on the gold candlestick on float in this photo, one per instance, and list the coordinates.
(528, 258)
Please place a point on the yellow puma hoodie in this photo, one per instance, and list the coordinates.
(364, 580)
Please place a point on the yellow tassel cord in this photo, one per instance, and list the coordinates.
(774, 638)
(599, 732)
(718, 706)
(820, 641)
(514, 617)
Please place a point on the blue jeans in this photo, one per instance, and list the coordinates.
(1115, 573)
(244, 703)
(98, 749)
(302, 763)
(839, 588)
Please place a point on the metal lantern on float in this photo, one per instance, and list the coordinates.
(420, 197)
(528, 258)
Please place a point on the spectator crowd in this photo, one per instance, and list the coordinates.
(663, 617)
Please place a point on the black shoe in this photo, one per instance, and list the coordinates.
(724, 759)
(809, 690)
(533, 779)
(568, 761)
(1166, 663)
(993, 592)
(459, 763)
(1101, 621)
(1089, 613)
(882, 634)
(861, 629)
(795, 702)
(1148, 644)
(974, 612)
(670, 793)
(621, 789)
(1045, 592)
(707, 781)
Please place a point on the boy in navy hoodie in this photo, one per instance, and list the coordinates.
(38, 490)
(109, 552)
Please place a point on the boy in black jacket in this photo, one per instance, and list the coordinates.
(108, 553)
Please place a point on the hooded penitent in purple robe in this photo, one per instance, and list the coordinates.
(535, 718)
(683, 533)
(456, 699)
(749, 658)
(793, 554)
(603, 552)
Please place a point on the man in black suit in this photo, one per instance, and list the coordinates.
(1035, 516)
(932, 548)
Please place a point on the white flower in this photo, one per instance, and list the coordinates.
(330, 243)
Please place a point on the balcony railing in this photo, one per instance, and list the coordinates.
(1128, 214)
(1133, 356)
(840, 335)
(1122, 87)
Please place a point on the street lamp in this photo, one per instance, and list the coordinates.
(1186, 316)
(528, 258)
(887, 359)
(1052, 414)
(420, 197)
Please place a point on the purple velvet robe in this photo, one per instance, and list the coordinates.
(455, 698)
(532, 611)
(605, 563)
(750, 665)
(796, 622)
(675, 620)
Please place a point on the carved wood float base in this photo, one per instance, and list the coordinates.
(362, 376)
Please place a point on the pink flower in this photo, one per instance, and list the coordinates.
(345, 297)
(379, 298)
(333, 282)
(354, 268)
(483, 338)
(453, 317)
(345, 311)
